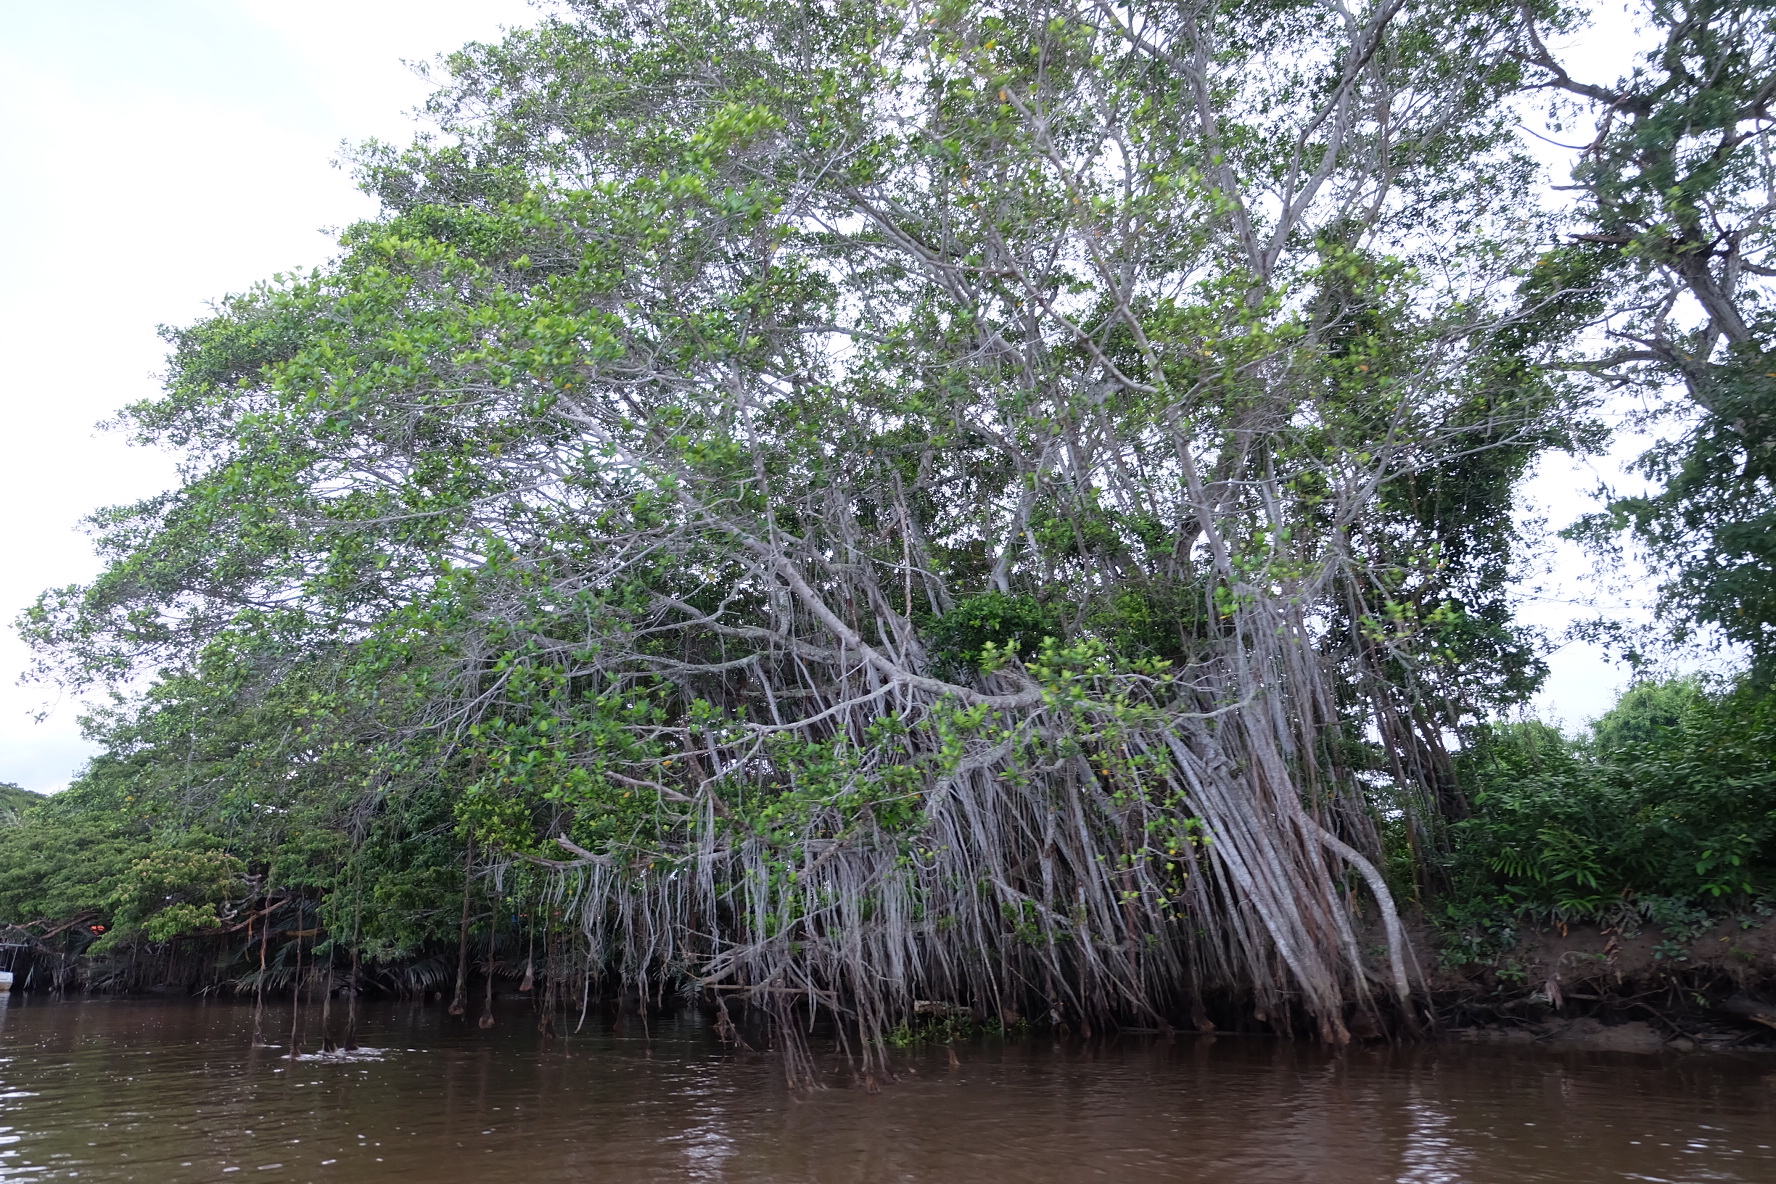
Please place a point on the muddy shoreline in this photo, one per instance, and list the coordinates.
(1602, 989)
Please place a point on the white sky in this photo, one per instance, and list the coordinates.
(158, 154)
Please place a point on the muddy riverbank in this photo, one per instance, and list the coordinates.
(1602, 988)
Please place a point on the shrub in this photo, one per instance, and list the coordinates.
(1670, 803)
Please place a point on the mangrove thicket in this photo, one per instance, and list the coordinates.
(852, 509)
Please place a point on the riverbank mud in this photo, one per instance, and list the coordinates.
(1601, 988)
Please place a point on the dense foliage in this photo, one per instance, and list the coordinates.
(14, 798)
(1667, 807)
(834, 504)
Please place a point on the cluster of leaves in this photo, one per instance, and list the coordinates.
(13, 799)
(1668, 805)
(63, 857)
(86, 863)
(212, 801)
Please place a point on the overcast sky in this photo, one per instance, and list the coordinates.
(158, 154)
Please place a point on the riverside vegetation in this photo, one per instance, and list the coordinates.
(870, 512)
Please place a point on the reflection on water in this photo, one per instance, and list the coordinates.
(162, 1091)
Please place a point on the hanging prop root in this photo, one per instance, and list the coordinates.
(1390, 917)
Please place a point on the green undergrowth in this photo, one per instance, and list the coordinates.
(1663, 815)
(951, 1029)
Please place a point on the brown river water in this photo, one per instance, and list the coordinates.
(167, 1091)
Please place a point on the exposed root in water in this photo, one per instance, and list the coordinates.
(1101, 871)
(341, 1056)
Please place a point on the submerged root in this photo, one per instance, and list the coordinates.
(1018, 894)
